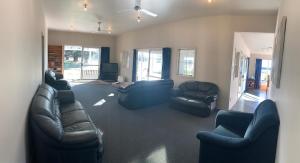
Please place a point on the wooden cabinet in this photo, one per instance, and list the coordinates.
(55, 58)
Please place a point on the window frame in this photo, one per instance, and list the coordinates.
(178, 63)
(149, 54)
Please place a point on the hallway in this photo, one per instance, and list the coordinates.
(247, 103)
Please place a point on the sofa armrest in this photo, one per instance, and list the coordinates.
(59, 76)
(211, 98)
(66, 96)
(175, 92)
(222, 141)
(61, 82)
(236, 121)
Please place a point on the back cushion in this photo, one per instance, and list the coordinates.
(50, 76)
(265, 116)
(45, 113)
(204, 88)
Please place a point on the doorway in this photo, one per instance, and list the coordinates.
(251, 69)
(149, 64)
(81, 63)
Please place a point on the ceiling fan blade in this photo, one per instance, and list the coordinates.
(124, 11)
(148, 13)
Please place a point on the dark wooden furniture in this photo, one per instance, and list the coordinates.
(55, 58)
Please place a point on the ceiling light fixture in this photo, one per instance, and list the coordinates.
(138, 19)
(209, 1)
(85, 6)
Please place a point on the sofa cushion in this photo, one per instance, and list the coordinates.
(189, 102)
(73, 117)
(64, 108)
(265, 117)
(220, 130)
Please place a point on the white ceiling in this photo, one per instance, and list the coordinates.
(62, 14)
(259, 43)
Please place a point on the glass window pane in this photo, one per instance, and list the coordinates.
(72, 62)
(155, 69)
(186, 62)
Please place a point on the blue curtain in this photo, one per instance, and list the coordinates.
(166, 63)
(105, 52)
(258, 73)
(134, 65)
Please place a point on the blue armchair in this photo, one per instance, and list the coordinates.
(242, 137)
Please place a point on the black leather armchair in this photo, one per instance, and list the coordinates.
(195, 97)
(55, 80)
(242, 137)
(61, 130)
(145, 93)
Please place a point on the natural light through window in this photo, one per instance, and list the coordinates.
(187, 62)
(149, 64)
(99, 103)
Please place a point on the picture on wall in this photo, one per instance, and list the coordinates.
(278, 52)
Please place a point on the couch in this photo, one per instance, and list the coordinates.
(142, 94)
(56, 80)
(61, 130)
(242, 137)
(195, 97)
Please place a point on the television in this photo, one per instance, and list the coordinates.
(109, 71)
(109, 67)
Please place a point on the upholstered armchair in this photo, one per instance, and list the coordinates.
(242, 137)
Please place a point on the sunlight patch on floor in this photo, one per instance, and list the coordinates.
(111, 95)
(250, 97)
(99, 103)
(159, 155)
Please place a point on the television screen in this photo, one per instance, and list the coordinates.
(109, 67)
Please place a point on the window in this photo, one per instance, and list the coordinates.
(81, 62)
(149, 64)
(266, 71)
(186, 62)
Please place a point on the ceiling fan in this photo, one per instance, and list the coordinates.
(100, 29)
(138, 8)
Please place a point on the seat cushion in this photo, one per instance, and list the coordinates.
(73, 117)
(189, 102)
(64, 108)
(220, 130)
(80, 126)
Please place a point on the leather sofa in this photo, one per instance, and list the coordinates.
(61, 130)
(145, 93)
(242, 137)
(195, 97)
(55, 80)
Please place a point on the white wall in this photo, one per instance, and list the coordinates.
(22, 24)
(84, 39)
(239, 46)
(212, 36)
(287, 97)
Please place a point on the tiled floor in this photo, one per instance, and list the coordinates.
(247, 103)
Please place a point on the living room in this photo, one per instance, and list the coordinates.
(143, 81)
